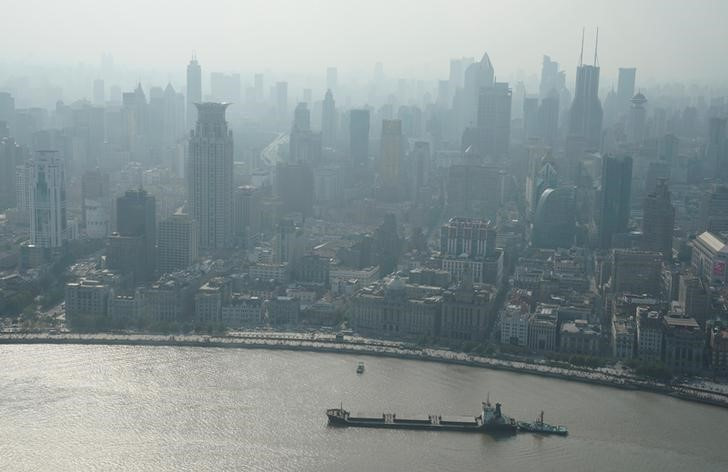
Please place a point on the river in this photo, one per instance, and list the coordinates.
(131, 408)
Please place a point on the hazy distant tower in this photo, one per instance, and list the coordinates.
(210, 176)
(47, 192)
(658, 221)
(359, 136)
(194, 91)
(586, 114)
(328, 120)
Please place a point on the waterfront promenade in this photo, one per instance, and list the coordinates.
(695, 390)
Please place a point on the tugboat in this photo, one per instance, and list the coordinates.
(360, 368)
(539, 426)
(491, 420)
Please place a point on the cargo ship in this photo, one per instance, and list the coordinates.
(490, 420)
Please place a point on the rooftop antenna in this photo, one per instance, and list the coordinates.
(581, 54)
(596, 46)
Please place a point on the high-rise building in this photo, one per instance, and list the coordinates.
(494, 120)
(585, 119)
(328, 120)
(390, 157)
(294, 185)
(615, 198)
(554, 221)
(96, 199)
(246, 212)
(47, 192)
(210, 176)
(625, 87)
(304, 144)
(658, 221)
(637, 118)
(10, 157)
(478, 75)
(547, 119)
(714, 210)
(132, 248)
(194, 91)
(359, 136)
(636, 272)
(716, 151)
(177, 243)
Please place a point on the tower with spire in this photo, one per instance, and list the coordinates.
(585, 117)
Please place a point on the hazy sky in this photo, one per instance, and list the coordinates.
(665, 39)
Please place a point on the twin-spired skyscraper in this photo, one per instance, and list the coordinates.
(210, 176)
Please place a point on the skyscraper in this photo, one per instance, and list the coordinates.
(390, 157)
(47, 192)
(132, 248)
(177, 243)
(716, 151)
(210, 176)
(625, 87)
(494, 120)
(328, 120)
(658, 221)
(615, 198)
(96, 201)
(304, 144)
(194, 90)
(554, 222)
(638, 118)
(10, 157)
(359, 136)
(586, 114)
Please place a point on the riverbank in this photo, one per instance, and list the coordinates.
(714, 394)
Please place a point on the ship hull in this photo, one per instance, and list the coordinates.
(463, 427)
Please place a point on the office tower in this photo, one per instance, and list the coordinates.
(290, 243)
(494, 120)
(226, 87)
(478, 75)
(585, 119)
(328, 120)
(419, 169)
(359, 136)
(282, 101)
(96, 201)
(552, 80)
(99, 92)
(173, 116)
(304, 144)
(615, 198)
(246, 213)
(668, 148)
(194, 91)
(210, 176)
(530, 118)
(625, 87)
(47, 192)
(132, 249)
(554, 223)
(658, 221)
(547, 119)
(10, 157)
(177, 243)
(294, 185)
(387, 245)
(716, 151)
(332, 78)
(390, 156)
(714, 210)
(638, 118)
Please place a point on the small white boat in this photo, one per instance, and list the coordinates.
(360, 368)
